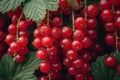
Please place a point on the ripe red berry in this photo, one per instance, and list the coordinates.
(15, 19)
(20, 58)
(110, 61)
(72, 71)
(80, 23)
(92, 23)
(23, 50)
(66, 43)
(117, 22)
(41, 54)
(71, 55)
(45, 30)
(14, 46)
(77, 45)
(63, 4)
(47, 41)
(107, 15)
(86, 56)
(78, 35)
(86, 42)
(104, 4)
(23, 25)
(45, 67)
(86, 68)
(66, 31)
(57, 22)
(92, 10)
(56, 67)
(23, 40)
(56, 33)
(78, 63)
(12, 29)
(109, 26)
(52, 51)
(24, 33)
(67, 62)
(110, 39)
(80, 77)
(37, 43)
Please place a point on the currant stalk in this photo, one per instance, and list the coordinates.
(17, 33)
(48, 22)
(73, 19)
(116, 45)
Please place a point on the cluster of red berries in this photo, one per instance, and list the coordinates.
(110, 16)
(62, 47)
(18, 37)
(3, 34)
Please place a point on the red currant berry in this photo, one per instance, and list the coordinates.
(109, 26)
(66, 31)
(86, 68)
(14, 46)
(78, 63)
(45, 67)
(41, 54)
(80, 23)
(23, 40)
(117, 22)
(52, 51)
(86, 42)
(71, 55)
(45, 30)
(12, 29)
(92, 10)
(37, 43)
(57, 22)
(80, 77)
(56, 33)
(110, 61)
(110, 39)
(78, 35)
(23, 25)
(47, 41)
(20, 58)
(72, 71)
(104, 4)
(77, 45)
(92, 23)
(107, 15)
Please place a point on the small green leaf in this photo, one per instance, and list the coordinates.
(6, 5)
(10, 70)
(101, 71)
(51, 5)
(35, 10)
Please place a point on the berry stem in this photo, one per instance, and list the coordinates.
(17, 34)
(116, 42)
(116, 45)
(48, 17)
(73, 19)
(85, 2)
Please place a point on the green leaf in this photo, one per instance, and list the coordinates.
(51, 5)
(10, 70)
(35, 10)
(101, 71)
(6, 5)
